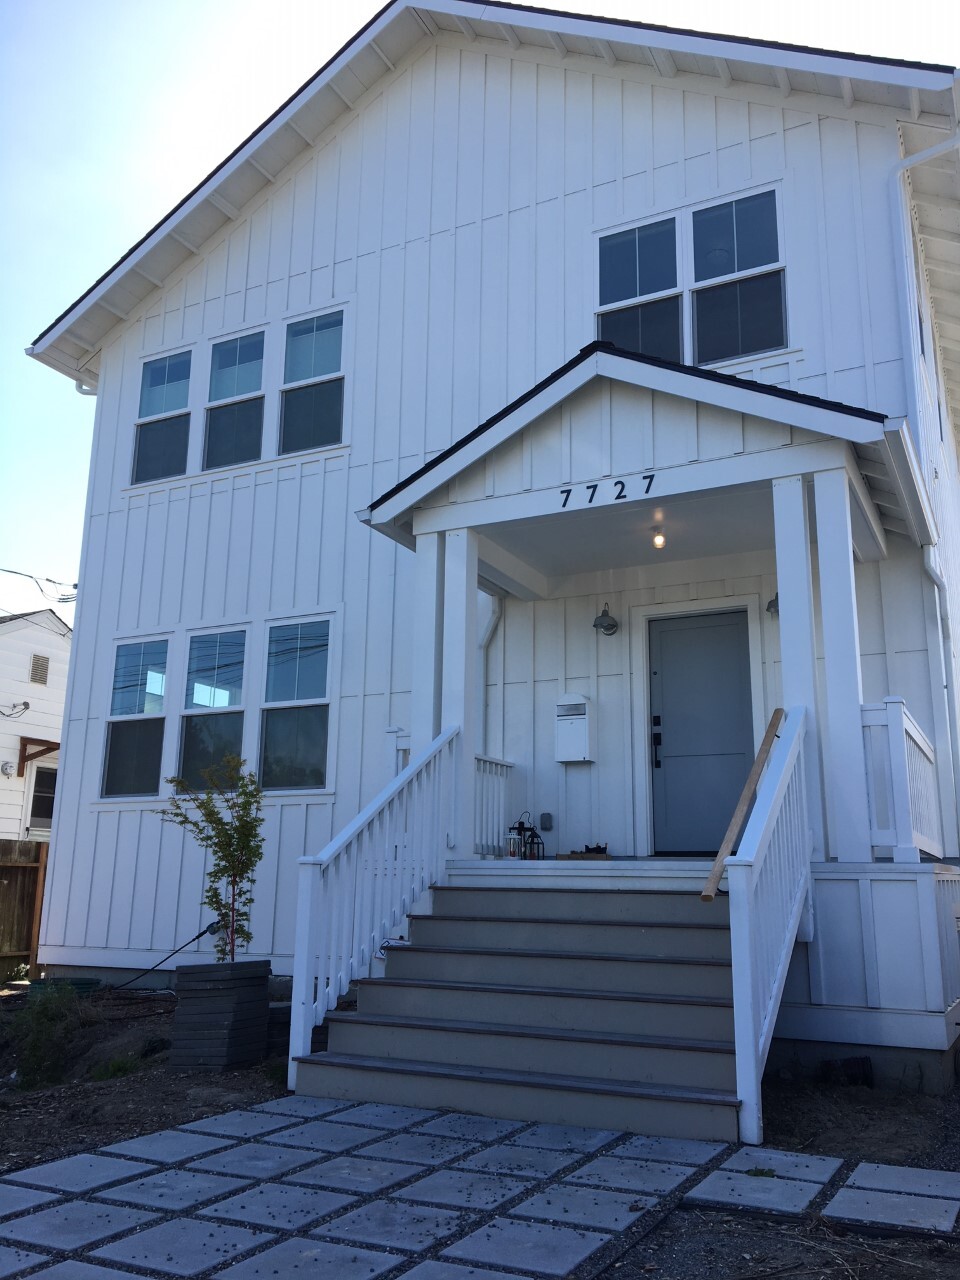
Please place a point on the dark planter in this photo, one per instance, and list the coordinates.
(221, 1016)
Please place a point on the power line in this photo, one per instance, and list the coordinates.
(66, 591)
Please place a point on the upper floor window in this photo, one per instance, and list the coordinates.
(293, 741)
(665, 265)
(311, 413)
(135, 731)
(212, 726)
(234, 429)
(161, 442)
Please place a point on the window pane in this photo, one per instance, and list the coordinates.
(756, 220)
(161, 449)
(657, 257)
(139, 675)
(164, 384)
(313, 347)
(204, 744)
(716, 323)
(41, 807)
(618, 266)
(762, 321)
(660, 333)
(215, 670)
(132, 766)
(312, 667)
(233, 433)
(236, 367)
(713, 242)
(311, 417)
(294, 747)
(297, 662)
(622, 328)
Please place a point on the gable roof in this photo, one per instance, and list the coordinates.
(71, 343)
(33, 617)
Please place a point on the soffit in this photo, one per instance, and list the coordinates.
(71, 343)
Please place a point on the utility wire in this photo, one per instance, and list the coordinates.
(66, 591)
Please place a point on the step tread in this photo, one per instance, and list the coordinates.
(513, 953)
(692, 894)
(532, 1033)
(565, 920)
(575, 992)
(525, 1079)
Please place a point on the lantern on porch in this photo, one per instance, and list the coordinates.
(524, 840)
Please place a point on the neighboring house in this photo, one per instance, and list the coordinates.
(700, 295)
(34, 654)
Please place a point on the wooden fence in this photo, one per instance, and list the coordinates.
(23, 868)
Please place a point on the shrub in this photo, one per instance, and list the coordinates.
(43, 1032)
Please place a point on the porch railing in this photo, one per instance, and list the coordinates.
(947, 891)
(769, 884)
(901, 782)
(356, 891)
(493, 781)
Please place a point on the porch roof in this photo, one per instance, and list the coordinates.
(888, 487)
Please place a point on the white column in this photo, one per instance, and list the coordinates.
(459, 683)
(798, 654)
(844, 767)
(427, 642)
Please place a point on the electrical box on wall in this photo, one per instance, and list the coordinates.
(576, 730)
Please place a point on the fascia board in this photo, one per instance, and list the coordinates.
(904, 467)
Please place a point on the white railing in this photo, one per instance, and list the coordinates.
(490, 822)
(357, 891)
(769, 884)
(947, 889)
(901, 783)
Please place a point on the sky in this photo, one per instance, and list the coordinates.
(112, 110)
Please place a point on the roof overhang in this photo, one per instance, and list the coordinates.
(917, 91)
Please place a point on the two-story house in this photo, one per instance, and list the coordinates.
(518, 419)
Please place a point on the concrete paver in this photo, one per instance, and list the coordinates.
(437, 1269)
(14, 1261)
(735, 1190)
(173, 1189)
(382, 1115)
(299, 1105)
(73, 1269)
(316, 1259)
(182, 1246)
(68, 1226)
(355, 1173)
(19, 1199)
(277, 1205)
(887, 1209)
(419, 1148)
(564, 1137)
(535, 1246)
(79, 1173)
(169, 1146)
(458, 1124)
(585, 1207)
(411, 1228)
(917, 1182)
(522, 1162)
(239, 1124)
(631, 1175)
(690, 1151)
(788, 1164)
(254, 1160)
(322, 1135)
(461, 1189)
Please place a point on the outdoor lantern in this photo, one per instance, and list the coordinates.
(605, 623)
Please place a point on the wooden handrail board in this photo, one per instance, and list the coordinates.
(743, 806)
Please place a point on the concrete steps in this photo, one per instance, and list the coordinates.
(600, 1007)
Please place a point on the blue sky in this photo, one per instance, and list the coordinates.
(111, 111)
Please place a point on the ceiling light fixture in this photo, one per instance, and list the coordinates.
(659, 541)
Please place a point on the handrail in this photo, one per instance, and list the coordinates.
(743, 804)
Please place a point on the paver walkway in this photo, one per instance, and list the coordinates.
(346, 1191)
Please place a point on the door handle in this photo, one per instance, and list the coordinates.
(656, 740)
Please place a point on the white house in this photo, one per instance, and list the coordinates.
(34, 653)
(653, 337)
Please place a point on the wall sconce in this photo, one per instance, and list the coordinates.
(659, 540)
(605, 623)
(773, 606)
(8, 768)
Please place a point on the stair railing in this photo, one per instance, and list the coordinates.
(769, 887)
(357, 891)
(490, 822)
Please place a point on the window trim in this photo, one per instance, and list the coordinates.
(297, 384)
(331, 699)
(110, 719)
(687, 285)
(240, 708)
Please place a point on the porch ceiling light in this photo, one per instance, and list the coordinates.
(605, 623)
(659, 540)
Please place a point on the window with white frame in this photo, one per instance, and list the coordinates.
(162, 431)
(714, 274)
(311, 403)
(135, 729)
(211, 728)
(41, 803)
(234, 419)
(295, 720)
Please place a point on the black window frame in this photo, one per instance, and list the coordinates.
(220, 408)
(192, 712)
(278, 710)
(294, 390)
(142, 732)
(170, 418)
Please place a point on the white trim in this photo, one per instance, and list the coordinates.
(895, 1028)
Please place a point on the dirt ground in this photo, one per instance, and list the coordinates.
(122, 1038)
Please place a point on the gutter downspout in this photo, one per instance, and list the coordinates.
(83, 390)
(486, 636)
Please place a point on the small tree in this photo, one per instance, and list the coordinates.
(225, 819)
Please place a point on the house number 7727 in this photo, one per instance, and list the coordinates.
(619, 490)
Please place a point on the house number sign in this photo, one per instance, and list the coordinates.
(619, 490)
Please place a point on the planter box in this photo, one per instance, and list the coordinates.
(221, 1016)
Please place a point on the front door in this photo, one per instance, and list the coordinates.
(701, 728)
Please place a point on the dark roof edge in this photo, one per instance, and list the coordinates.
(754, 41)
(213, 172)
(708, 375)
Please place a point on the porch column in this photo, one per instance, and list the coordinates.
(427, 641)
(844, 767)
(798, 654)
(458, 703)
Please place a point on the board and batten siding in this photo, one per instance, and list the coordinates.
(454, 218)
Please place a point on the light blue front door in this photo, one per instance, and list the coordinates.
(701, 727)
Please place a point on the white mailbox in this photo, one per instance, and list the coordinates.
(576, 730)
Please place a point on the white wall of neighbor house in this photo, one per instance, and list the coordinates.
(453, 217)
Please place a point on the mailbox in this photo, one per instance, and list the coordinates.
(576, 730)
